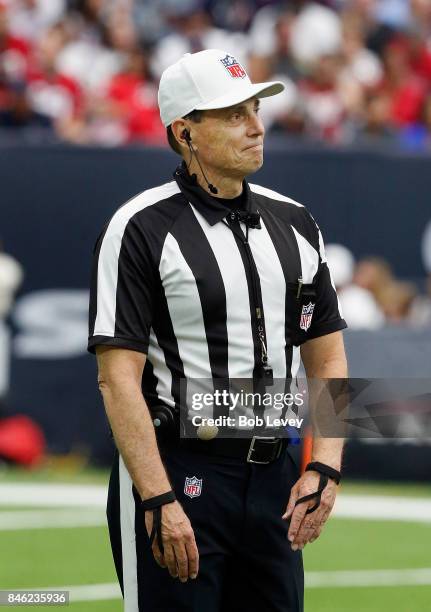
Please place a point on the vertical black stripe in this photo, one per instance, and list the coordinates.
(149, 384)
(200, 257)
(135, 286)
(284, 241)
(164, 330)
(143, 550)
(114, 520)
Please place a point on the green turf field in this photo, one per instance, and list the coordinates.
(77, 556)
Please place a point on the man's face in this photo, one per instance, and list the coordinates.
(230, 140)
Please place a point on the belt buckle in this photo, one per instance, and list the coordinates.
(251, 450)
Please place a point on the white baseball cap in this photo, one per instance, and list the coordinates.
(207, 80)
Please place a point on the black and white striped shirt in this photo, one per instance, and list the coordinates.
(181, 278)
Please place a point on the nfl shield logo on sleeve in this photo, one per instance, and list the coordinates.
(233, 67)
(193, 486)
(306, 316)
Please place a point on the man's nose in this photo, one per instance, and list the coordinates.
(255, 125)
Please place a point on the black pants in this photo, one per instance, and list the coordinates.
(245, 560)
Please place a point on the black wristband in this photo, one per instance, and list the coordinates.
(159, 500)
(155, 504)
(324, 469)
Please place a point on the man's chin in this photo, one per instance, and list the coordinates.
(252, 167)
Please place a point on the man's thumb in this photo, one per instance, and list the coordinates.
(290, 505)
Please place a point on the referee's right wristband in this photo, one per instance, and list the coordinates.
(155, 504)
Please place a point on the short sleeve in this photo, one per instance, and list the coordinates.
(327, 316)
(122, 289)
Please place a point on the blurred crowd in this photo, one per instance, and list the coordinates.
(86, 71)
(371, 296)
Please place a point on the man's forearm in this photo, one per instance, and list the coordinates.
(327, 449)
(134, 435)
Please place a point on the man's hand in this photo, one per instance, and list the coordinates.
(304, 527)
(181, 555)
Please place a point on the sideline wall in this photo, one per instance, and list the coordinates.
(55, 201)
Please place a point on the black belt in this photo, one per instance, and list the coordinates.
(260, 450)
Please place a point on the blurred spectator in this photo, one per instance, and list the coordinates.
(323, 100)
(52, 93)
(420, 310)
(269, 41)
(14, 57)
(19, 115)
(373, 274)
(373, 126)
(318, 105)
(396, 299)
(358, 305)
(316, 33)
(86, 19)
(399, 300)
(29, 19)
(192, 30)
(135, 94)
(371, 297)
(405, 90)
(98, 39)
(393, 13)
(417, 136)
(359, 63)
(234, 15)
(149, 20)
(127, 111)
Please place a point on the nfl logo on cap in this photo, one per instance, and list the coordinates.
(233, 67)
(306, 316)
(193, 486)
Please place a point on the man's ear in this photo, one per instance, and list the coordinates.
(179, 130)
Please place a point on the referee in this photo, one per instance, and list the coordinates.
(211, 277)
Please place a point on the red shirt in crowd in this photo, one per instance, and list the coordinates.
(14, 64)
(138, 102)
(407, 100)
(55, 95)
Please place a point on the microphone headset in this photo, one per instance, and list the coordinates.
(186, 135)
(251, 220)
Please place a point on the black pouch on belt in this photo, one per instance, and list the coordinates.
(166, 421)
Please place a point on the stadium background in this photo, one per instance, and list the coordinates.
(80, 133)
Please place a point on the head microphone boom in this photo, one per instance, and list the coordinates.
(188, 139)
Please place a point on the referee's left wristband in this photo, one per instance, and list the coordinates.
(160, 500)
(325, 470)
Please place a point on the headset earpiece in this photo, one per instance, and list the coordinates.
(186, 135)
